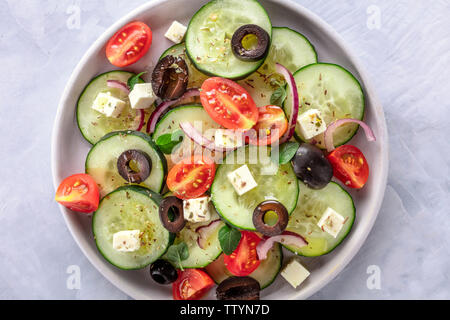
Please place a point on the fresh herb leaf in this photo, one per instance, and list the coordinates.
(287, 151)
(278, 97)
(229, 239)
(167, 142)
(177, 253)
(135, 79)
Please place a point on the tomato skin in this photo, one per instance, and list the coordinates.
(350, 166)
(79, 192)
(271, 126)
(192, 177)
(228, 104)
(244, 260)
(192, 284)
(129, 44)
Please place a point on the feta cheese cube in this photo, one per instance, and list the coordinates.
(294, 272)
(228, 138)
(331, 222)
(176, 32)
(127, 241)
(311, 123)
(108, 105)
(197, 210)
(142, 96)
(242, 180)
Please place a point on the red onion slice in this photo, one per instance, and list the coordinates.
(204, 232)
(142, 120)
(198, 138)
(161, 108)
(119, 85)
(287, 237)
(295, 101)
(328, 135)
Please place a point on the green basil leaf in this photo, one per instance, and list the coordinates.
(177, 253)
(278, 97)
(229, 239)
(287, 151)
(135, 79)
(167, 142)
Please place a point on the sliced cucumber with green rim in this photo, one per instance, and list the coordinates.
(196, 78)
(311, 205)
(101, 161)
(265, 274)
(335, 92)
(280, 184)
(93, 124)
(289, 48)
(208, 38)
(130, 208)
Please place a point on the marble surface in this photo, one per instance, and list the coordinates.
(405, 46)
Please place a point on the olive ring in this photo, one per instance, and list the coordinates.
(170, 78)
(143, 162)
(258, 53)
(238, 288)
(260, 212)
(172, 206)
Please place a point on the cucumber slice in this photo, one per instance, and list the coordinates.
(130, 208)
(281, 184)
(101, 161)
(311, 205)
(265, 274)
(92, 124)
(208, 38)
(196, 78)
(289, 48)
(198, 257)
(335, 92)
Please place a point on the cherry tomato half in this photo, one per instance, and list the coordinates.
(78, 192)
(271, 125)
(228, 103)
(244, 260)
(190, 178)
(129, 44)
(350, 166)
(192, 284)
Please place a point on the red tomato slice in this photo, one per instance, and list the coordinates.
(192, 177)
(129, 44)
(228, 103)
(78, 192)
(192, 284)
(350, 166)
(244, 260)
(271, 126)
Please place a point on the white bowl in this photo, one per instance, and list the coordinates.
(69, 149)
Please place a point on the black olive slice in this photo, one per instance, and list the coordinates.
(134, 166)
(170, 78)
(163, 272)
(260, 212)
(255, 53)
(238, 288)
(171, 214)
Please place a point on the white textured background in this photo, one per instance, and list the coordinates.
(408, 59)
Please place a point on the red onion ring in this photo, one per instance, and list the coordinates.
(142, 121)
(295, 101)
(205, 231)
(287, 237)
(161, 108)
(198, 138)
(119, 85)
(328, 135)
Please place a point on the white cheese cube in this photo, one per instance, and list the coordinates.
(176, 32)
(294, 272)
(228, 138)
(197, 210)
(142, 96)
(311, 123)
(127, 241)
(108, 105)
(242, 180)
(331, 222)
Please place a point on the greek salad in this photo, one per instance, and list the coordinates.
(232, 151)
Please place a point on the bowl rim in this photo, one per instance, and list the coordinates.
(344, 257)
